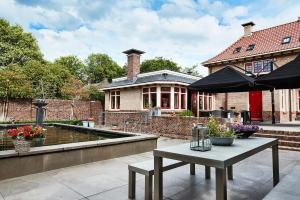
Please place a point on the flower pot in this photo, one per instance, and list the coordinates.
(85, 123)
(91, 124)
(38, 142)
(245, 134)
(22, 146)
(222, 141)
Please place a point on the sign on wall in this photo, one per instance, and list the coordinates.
(259, 67)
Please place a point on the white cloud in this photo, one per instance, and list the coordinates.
(188, 32)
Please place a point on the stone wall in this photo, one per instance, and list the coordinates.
(24, 110)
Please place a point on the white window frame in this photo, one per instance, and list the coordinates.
(115, 98)
(149, 96)
(207, 96)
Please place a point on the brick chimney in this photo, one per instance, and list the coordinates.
(248, 28)
(133, 63)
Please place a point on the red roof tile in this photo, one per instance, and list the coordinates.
(266, 41)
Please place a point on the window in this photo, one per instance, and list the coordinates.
(250, 47)
(149, 97)
(183, 98)
(115, 100)
(258, 66)
(237, 50)
(205, 101)
(176, 97)
(165, 99)
(249, 67)
(286, 40)
(267, 65)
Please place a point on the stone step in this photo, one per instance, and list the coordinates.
(289, 148)
(289, 143)
(280, 137)
(289, 133)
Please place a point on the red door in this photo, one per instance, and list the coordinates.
(255, 104)
(194, 103)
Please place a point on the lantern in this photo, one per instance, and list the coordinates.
(199, 138)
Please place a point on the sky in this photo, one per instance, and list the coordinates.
(186, 31)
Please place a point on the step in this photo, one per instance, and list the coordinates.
(280, 137)
(289, 143)
(289, 148)
(291, 133)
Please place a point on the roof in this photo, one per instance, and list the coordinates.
(266, 41)
(161, 77)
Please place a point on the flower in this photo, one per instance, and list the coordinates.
(240, 128)
(26, 132)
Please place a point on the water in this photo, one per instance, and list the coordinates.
(55, 135)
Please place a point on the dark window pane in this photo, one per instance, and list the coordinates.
(145, 101)
(182, 101)
(165, 101)
(165, 89)
(153, 100)
(153, 89)
(176, 100)
(145, 90)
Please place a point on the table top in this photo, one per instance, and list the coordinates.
(218, 156)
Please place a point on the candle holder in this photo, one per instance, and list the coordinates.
(200, 140)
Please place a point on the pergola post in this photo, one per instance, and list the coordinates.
(273, 107)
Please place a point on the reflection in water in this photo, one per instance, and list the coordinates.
(55, 135)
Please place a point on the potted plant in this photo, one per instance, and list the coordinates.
(219, 134)
(85, 123)
(91, 122)
(38, 134)
(244, 131)
(23, 136)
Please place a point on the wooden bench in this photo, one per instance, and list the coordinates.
(287, 188)
(147, 168)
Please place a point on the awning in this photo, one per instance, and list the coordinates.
(285, 77)
(226, 80)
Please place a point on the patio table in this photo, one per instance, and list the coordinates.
(220, 157)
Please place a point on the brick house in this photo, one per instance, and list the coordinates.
(260, 52)
(140, 91)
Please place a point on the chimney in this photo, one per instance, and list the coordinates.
(133, 63)
(248, 28)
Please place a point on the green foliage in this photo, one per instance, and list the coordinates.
(100, 66)
(95, 94)
(191, 70)
(74, 65)
(213, 127)
(73, 89)
(217, 130)
(14, 84)
(159, 63)
(47, 78)
(16, 46)
(186, 113)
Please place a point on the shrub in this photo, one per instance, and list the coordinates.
(186, 113)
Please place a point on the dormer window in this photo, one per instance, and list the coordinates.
(250, 47)
(286, 40)
(237, 50)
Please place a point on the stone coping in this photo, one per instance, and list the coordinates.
(131, 137)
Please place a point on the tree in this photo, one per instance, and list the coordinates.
(159, 63)
(16, 46)
(74, 89)
(191, 70)
(101, 66)
(74, 65)
(47, 78)
(13, 84)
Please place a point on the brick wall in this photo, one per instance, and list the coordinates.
(169, 126)
(24, 110)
